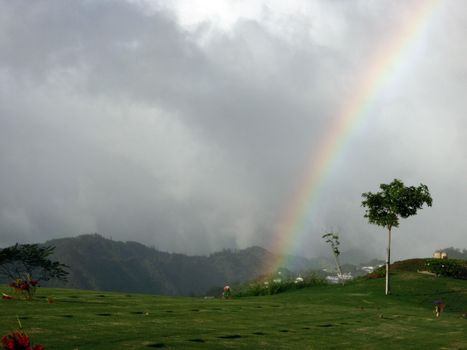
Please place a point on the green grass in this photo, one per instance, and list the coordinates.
(354, 316)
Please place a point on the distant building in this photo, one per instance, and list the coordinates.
(440, 255)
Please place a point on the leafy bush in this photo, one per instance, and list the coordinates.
(442, 267)
(25, 287)
(275, 285)
(447, 267)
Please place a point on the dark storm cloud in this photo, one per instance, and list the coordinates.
(115, 118)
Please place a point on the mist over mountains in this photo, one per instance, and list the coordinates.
(102, 264)
(98, 263)
(191, 125)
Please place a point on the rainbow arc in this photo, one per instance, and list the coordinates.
(295, 221)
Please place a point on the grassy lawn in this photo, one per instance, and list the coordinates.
(354, 316)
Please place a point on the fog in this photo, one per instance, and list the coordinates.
(188, 125)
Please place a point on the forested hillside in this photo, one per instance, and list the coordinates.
(102, 264)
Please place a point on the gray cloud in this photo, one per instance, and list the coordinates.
(117, 119)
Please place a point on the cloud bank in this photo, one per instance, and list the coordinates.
(189, 127)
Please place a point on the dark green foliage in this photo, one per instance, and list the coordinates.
(30, 261)
(447, 267)
(395, 200)
(102, 264)
(333, 240)
(98, 263)
(441, 267)
(271, 285)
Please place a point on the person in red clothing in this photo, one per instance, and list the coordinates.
(227, 293)
(439, 307)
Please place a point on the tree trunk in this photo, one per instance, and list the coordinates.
(388, 262)
(339, 271)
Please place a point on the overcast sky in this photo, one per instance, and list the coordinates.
(187, 125)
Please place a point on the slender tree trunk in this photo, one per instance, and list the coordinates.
(388, 262)
(339, 271)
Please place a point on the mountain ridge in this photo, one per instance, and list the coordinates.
(99, 263)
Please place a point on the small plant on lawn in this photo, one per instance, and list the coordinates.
(18, 340)
(25, 287)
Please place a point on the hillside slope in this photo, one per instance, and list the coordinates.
(98, 263)
(355, 316)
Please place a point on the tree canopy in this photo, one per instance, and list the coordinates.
(30, 261)
(333, 240)
(394, 201)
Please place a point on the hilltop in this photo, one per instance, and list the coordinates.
(98, 263)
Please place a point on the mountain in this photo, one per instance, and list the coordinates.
(97, 263)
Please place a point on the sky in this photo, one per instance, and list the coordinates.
(188, 125)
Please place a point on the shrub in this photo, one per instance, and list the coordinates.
(447, 267)
(274, 285)
(25, 287)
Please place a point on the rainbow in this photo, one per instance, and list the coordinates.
(295, 221)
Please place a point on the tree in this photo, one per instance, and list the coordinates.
(333, 240)
(394, 201)
(28, 264)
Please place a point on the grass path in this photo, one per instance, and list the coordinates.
(355, 316)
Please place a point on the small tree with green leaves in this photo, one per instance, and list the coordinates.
(28, 264)
(333, 240)
(394, 201)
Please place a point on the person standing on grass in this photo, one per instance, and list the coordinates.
(227, 294)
